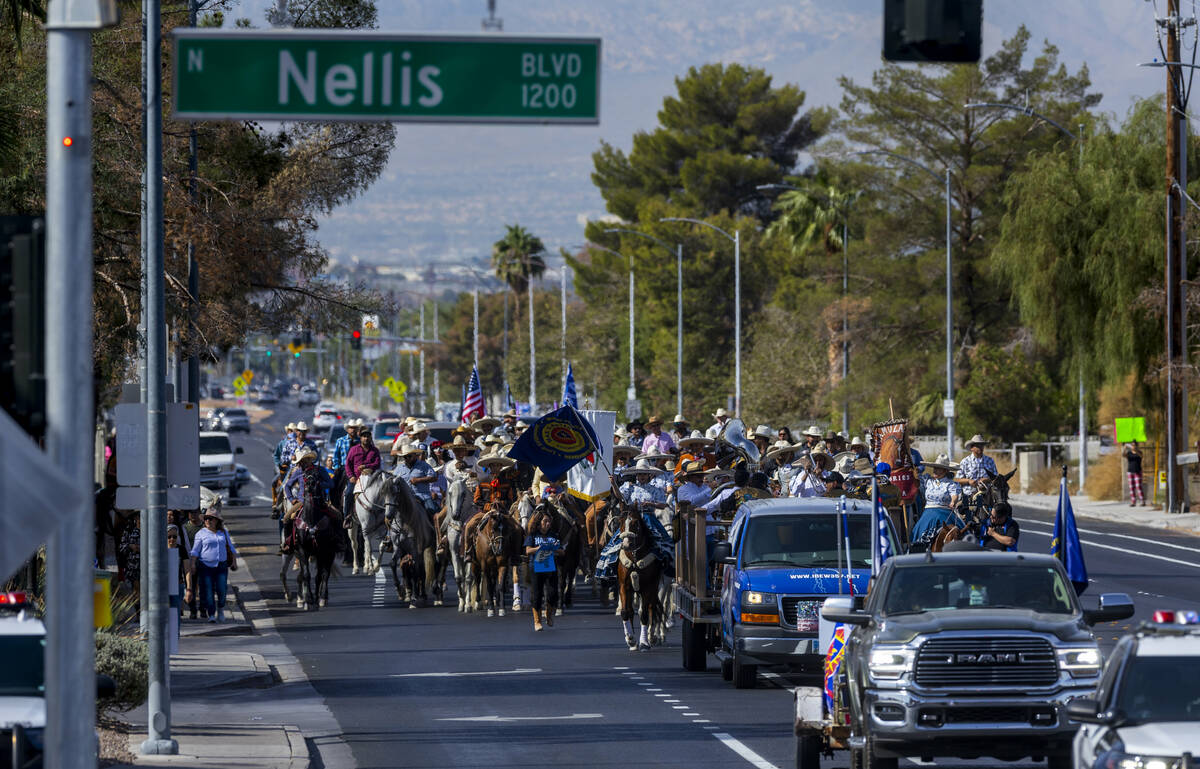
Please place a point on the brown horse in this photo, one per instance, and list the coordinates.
(493, 544)
(638, 575)
(600, 519)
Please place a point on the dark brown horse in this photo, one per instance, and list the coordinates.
(639, 572)
(316, 540)
(493, 544)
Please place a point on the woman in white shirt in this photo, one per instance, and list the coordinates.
(215, 555)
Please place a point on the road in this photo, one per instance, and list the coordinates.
(434, 688)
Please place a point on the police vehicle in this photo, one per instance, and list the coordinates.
(1145, 713)
(22, 681)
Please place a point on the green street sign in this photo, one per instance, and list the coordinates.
(378, 76)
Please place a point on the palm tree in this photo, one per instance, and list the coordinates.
(517, 257)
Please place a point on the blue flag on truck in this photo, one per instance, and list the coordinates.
(556, 442)
(1065, 544)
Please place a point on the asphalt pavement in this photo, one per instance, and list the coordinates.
(433, 687)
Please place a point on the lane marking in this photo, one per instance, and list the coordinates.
(1089, 543)
(679, 707)
(689, 714)
(507, 719)
(620, 667)
(261, 498)
(380, 592)
(513, 672)
(664, 695)
(654, 690)
(739, 747)
(1146, 540)
(670, 700)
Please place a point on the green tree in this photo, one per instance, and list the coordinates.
(1010, 395)
(518, 258)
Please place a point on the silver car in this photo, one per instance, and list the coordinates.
(233, 420)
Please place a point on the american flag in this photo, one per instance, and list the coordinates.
(473, 402)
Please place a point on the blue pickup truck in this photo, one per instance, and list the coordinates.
(760, 602)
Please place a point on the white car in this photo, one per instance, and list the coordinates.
(325, 419)
(1146, 710)
(309, 396)
(22, 679)
(217, 465)
(324, 406)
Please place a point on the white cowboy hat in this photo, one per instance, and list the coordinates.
(844, 462)
(643, 467)
(857, 441)
(304, 452)
(522, 425)
(942, 463)
(496, 460)
(779, 447)
(302, 427)
(976, 440)
(763, 431)
(679, 420)
(696, 438)
(622, 449)
(814, 431)
(651, 455)
(484, 424)
(720, 413)
(460, 442)
(409, 448)
(290, 426)
(621, 433)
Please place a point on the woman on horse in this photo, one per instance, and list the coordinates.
(941, 497)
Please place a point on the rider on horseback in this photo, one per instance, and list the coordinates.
(941, 497)
(306, 481)
(281, 455)
(414, 469)
(976, 466)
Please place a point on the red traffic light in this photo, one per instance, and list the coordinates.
(356, 334)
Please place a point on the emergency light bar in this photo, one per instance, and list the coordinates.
(1167, 617)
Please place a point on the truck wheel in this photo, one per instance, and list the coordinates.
(695, 651)
(808, 751)
(744, 676)
(727, 669)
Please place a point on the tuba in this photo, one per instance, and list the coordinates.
(733, 447)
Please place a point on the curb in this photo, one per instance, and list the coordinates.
(259, 676)
(301, 757)
(1184, 523)
(235, 608)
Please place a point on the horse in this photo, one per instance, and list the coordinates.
(639, 574)
(600, 520)
(370, 511)
(522, 512)
(566, 527)
(315, 539)
(494, 546)
(413, 539)
(456, 511)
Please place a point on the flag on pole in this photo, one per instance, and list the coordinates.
(1065, 544)
(473, 401)
(569, 389)
(509, 403)
(556, 442)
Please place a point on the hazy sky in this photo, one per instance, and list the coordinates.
(449, 190)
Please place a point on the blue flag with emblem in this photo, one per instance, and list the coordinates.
(883, 544)
(568, 397)
(1065, 544)
(556, 442)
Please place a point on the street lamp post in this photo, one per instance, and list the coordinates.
(736, 237)
(949, 408)
(1082, 392)
(678, 309)
(631, 394)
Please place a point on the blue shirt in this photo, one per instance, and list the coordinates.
(291, 446)
(939, 491)
(420, 469)
(209, 547)
(543, 559)
(976, 468)
(279, 451)
(340, 448)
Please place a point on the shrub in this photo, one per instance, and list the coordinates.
(1106, 478)
(127, 662)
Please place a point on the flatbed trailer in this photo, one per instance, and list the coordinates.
(697, 594)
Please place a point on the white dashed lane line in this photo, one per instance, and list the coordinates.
(380, 593)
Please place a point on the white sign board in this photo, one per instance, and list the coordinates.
(183, 444)
(948, 410)
(589, 480)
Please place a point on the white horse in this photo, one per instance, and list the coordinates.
(525, 508)
(459, 509)
(371, 495)
(666, 595)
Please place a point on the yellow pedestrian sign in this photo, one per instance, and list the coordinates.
(396, 389)
(248, 375)
(239, 386)
(375, 376)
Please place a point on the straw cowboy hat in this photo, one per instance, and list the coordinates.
(764, 431)
(304, 453)
(695, 439)
(494, 463)
(510, 413)
(813, 431)
(654, 420)
(820, 454)
(844, 462)
(409, 448)
(691, 468)
(679, 420)
(522, 425)
(290, 426)
(718, 474)
(651, 455)
(622, 449)
(485, 424)
(643, 467)
(460, 442)
(721, 412)
(302, 427)
(976, 440)
(779, 447)
(942, 463)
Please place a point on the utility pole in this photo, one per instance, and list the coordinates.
(1175, 271)
(193, 361)
(422, 354)
(532, 354)
(437, 394)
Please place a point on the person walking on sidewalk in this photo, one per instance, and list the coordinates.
(542, 547)
(215, 555)
(1133, 470)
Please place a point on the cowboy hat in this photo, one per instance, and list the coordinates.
(304, 452)
(522, 425)
(643, 467)
(302, 427)
(718, 473)
(510, 413)
(779, 447)
(857, 441)
(654, 420)
(460, 442)
(942, 463)
(621, 433)
(820, 453)
(679, 420)
(622, 449)
(290, 426)
(409, 448)
(813, 431)
(830, 435)
(652, 454)
(692, 467)
(976, 440)
(720, 413)
(634, 422)
(764, 431)
(485, 424)
(843, 463)
(496, 460)
(696, 438)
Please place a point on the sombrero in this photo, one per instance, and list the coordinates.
(779, 447)
(942, 463)
(460, 442)
(626, 451)
(651, 455)
(695, 439)
(485, 424)
(497, 461)
(643, 467)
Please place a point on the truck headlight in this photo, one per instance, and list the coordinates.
(1118, 759)
(752, 598)
(1080, 663)
(890, 661)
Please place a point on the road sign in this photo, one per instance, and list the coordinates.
(294, 348)
(948, 409)
(248, 375)
(380, 76)
(374, 376)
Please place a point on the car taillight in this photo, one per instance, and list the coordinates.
(13, 598)
(339, 416)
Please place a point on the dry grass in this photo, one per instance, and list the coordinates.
(1105, 478)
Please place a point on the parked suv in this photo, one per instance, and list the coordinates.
(217, 466)
(970, 654)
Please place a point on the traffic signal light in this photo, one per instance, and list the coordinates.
(932, 30)
(268, 353)
(355, 340)
(23, 321)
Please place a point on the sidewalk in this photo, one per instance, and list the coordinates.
(240, 699)
(1116, 512)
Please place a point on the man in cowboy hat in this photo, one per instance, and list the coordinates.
(762, 436)
(341, 447)
(778, 464)
(859, 447)
(414, 469)
(463, 464)
(637, 488)
(623, 455)
(299, 440)
(521, 427)
(722, 416)
(500, 488)
(621, 436)
(281, 456)
(658, 460)
(810, 481)
(508, 425)
(690, 487)
(657, 439)
(679, 428)
(812, 438)
(975, 466)
(637, 433)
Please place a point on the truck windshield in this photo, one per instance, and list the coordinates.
(215, 444)
(939, 586)
(1144, 698)
(804, 540)
(22, 674)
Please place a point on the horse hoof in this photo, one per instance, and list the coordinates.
(632, 644)
(323, 602)
(491, 613)
(501, 612)
(356, 571)
(617, 613)
(670, 624)
(558, 612)
(299, 603)
(438, 602)
(643, 647)
(412, 606)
